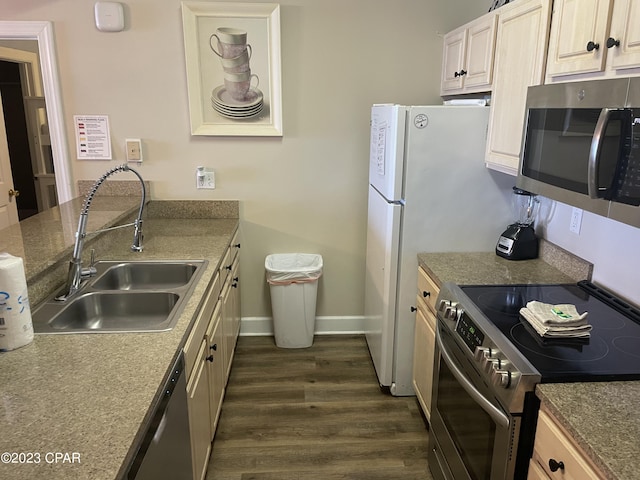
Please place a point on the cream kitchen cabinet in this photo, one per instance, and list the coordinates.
(424, 340)
(208, 356)
(467, 59)
(521, 47)
(555, 454)
(216, 365)
(230, 300)
(593, 39)
(199, 406)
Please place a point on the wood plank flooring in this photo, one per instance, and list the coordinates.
(314, 414)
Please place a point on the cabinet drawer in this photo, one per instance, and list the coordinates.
(426, 311)
(427, 289)
(553, 444)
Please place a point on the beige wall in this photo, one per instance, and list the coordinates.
(304, 192)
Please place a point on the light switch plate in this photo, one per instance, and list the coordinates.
(133, 148)
(109, 16)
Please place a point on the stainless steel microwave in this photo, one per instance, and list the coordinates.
(581, 146)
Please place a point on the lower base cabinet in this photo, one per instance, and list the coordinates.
(555, 455)
(198, 403)
(423, 353)
(424, 340)
(209, 353)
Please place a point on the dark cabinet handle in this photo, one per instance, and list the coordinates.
(234, 285)
(214, 347)
(210, 358)
(592, 46)
(460, 73)
(612, 42)
(426, 294)
(237, 245)
(413, 309)
(555, 466)
(235, 279)
(228, 267)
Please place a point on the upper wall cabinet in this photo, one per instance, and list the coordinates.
(593, 39)
(467, 60)
(521, 47)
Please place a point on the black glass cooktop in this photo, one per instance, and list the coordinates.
(611, 353)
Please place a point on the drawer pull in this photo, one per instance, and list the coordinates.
(214, 347)
(426, 294)
(612, 42)
(237, 245)
(210, 358)
(413, 309)
(554, 466)
(591, 46)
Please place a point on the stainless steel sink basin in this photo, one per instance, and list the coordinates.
(138, 296)
(117, 311)
(145, 275)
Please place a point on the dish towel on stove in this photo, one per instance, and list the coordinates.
(556, 321)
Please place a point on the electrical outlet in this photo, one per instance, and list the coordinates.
(576, 220)
(134, 149)
(205, 178)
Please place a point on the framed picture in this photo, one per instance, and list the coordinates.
(232, 55)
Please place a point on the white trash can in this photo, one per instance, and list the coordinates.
(293, 284)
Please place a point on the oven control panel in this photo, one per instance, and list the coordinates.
(486, 356)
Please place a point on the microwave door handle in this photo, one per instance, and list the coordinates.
(594, 152)
(495, 413)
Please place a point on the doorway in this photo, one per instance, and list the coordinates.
(31, 157)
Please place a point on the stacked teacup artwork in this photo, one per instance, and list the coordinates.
(237, 98)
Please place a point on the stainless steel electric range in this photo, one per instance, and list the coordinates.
(489, 360)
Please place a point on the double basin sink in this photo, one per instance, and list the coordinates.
(131, 296)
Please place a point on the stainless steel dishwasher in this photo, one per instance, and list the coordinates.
(165, 449)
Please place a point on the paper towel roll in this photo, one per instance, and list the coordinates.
(16, 327)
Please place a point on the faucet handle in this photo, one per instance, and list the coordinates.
(91, 271)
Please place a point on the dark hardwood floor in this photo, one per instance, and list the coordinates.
(315, 414)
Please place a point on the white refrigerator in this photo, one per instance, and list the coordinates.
(429, 191)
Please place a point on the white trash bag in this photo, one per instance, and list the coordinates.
(288, 268)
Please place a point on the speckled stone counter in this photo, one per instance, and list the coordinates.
(603, 419)
(90, 394)
(484, 268)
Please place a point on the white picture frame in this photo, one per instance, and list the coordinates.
(212, 110)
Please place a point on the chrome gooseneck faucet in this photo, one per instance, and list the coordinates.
(76, 272)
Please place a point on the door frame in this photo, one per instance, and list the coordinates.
(42, 31)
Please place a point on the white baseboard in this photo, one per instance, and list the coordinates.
(263, 326)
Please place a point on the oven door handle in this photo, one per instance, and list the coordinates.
(494, 412)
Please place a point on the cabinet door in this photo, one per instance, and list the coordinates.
(481, 38)
(519, 63)
(453, 57)
(423, 352)
(216, 365)
(227, 325)
(625, 28)
(235, 285)
(575, 24)
(198, 404)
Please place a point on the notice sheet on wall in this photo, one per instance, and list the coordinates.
(93, 139)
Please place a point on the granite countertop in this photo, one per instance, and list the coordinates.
(602, 417)
(486, 268)
(603, 420)
(89, 394)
